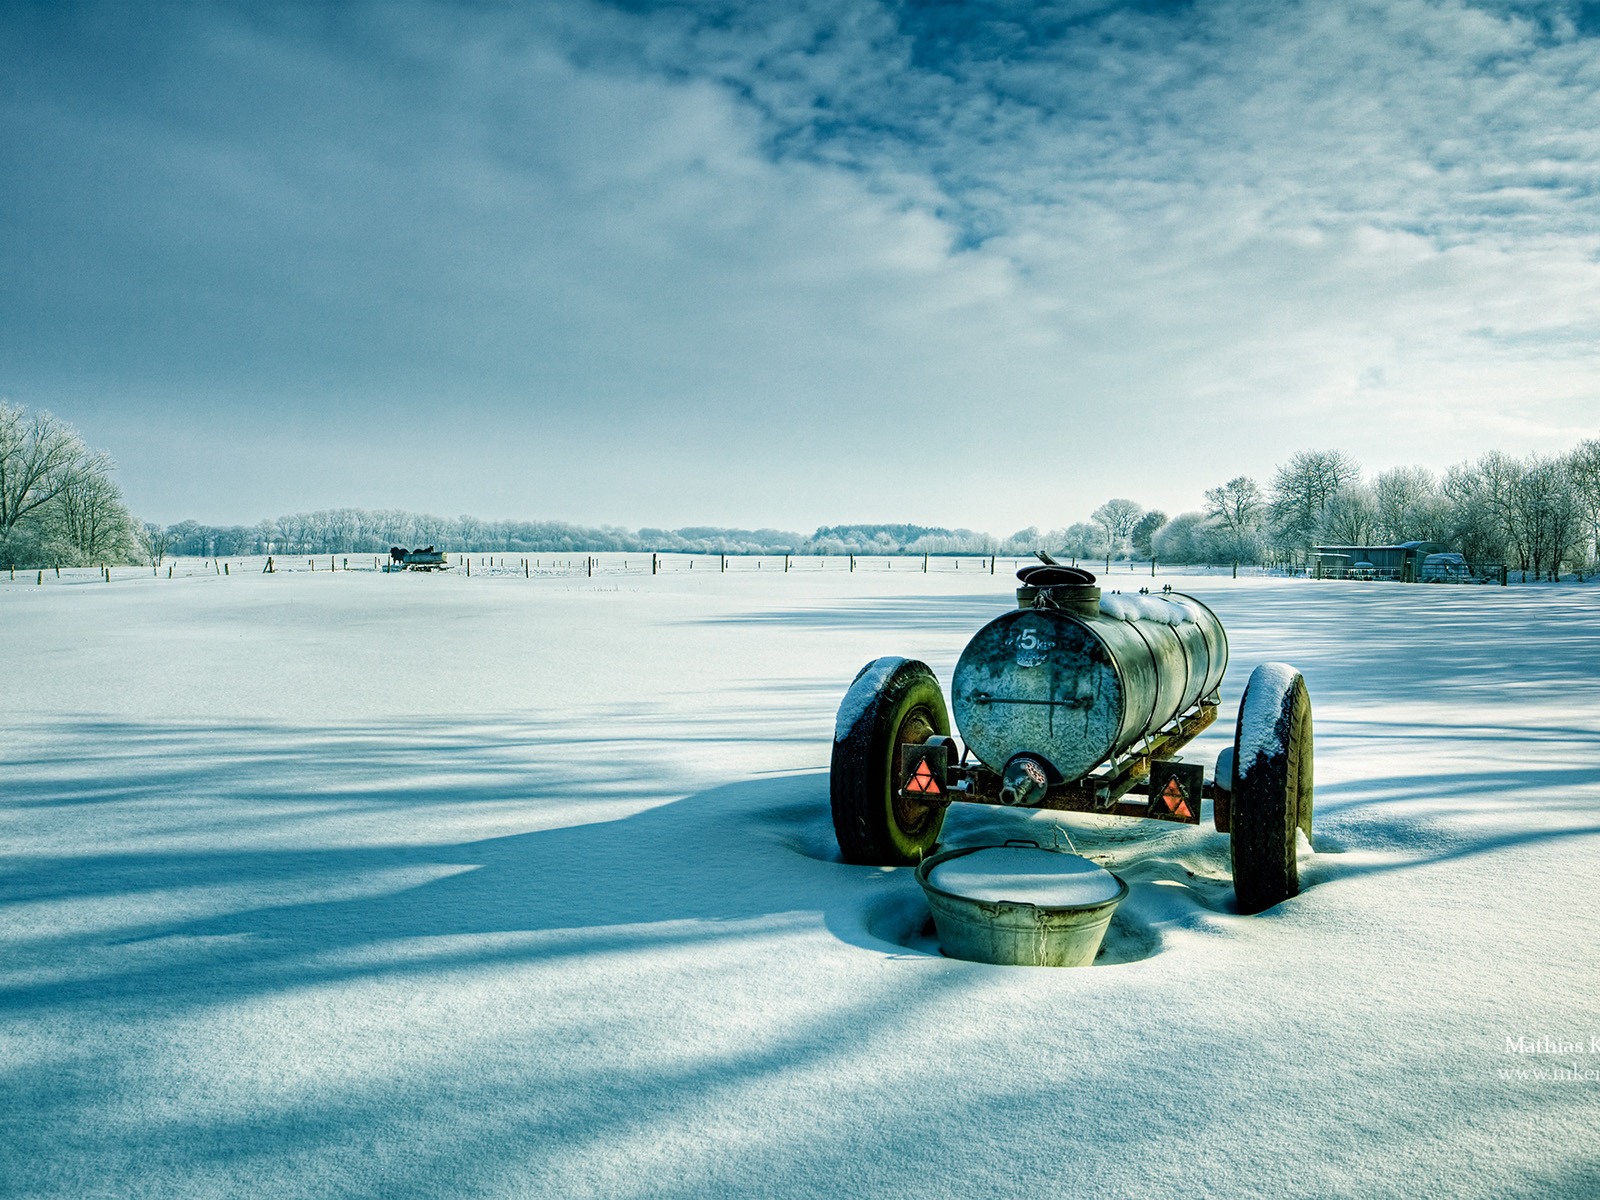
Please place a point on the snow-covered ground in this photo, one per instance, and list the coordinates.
(350, 884)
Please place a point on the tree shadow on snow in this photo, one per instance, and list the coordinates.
(619, 869)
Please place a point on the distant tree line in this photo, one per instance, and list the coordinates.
(361, 531)
(1537, 514)
(59, 505)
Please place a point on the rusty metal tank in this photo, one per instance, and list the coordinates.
(1075, 678)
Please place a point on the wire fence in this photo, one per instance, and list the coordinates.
(593, 566)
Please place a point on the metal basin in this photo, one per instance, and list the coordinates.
(1019, 904)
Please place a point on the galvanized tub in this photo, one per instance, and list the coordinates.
(997, 925)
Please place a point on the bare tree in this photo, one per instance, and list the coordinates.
(1301, 491)
(1477, 523)
(1545, 514)
(1583, 469)
(1350, 518)
(1233, 512)
(158, 540)
(471, 532)
(1406, 501)
(1237, 504)
(292, 533)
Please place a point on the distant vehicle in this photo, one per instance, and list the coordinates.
(1446, 568)
(1073, 701)
(429, 559)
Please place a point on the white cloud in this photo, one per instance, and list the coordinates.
(1133, 252)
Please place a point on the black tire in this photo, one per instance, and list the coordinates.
(892, 701)
(1272, 786)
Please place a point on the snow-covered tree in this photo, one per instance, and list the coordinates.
(1175, 542)
(1116, 519)
(88, 520)
(58, 501)
(39, 456)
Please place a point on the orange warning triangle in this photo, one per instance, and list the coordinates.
(922, 780)
(1176, 802)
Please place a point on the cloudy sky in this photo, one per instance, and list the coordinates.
(787, 263)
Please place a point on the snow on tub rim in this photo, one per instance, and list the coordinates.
(1019, 904)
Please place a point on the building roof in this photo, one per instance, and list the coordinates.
(1342, 549)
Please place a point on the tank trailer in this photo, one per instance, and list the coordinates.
(429, 559)
(1078, 702)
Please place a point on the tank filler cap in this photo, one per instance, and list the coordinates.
(1054, 586)
(1041, 575)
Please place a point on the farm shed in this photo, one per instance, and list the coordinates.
(1402, 561)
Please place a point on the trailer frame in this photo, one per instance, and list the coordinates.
(1101, 791)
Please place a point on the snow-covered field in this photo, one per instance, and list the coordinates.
(349, 884)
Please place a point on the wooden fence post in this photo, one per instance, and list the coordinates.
(652, 564)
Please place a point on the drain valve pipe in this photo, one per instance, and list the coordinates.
(1025, 781)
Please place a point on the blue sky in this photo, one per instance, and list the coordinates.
(780, 264)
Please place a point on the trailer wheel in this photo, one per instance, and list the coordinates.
(1271, 786)
(893, 701)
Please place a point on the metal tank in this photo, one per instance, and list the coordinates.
(1072, 678)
